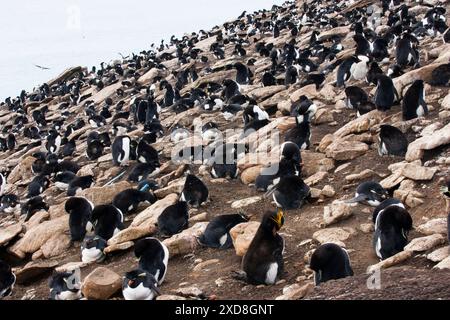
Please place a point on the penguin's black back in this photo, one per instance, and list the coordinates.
(106, 218)
(218, 227)
(330, 262)
(392, 225)
(80, 211)
(291, 192)
(131, 197)
(151, 256)
(174, 219)
(393, 140)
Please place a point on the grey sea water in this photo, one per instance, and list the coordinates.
(58, 34)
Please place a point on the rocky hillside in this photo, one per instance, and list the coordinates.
(288, 52)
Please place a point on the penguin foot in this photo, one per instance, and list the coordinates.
(239, 275)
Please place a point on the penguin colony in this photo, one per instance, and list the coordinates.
(377, 58)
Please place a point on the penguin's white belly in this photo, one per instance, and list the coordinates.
(378, 247)
(91, 255)
(420, 111)
(138, 293)
(373, 203)
(223, 239)
(271, 274)
(359, 70)
(69, 295)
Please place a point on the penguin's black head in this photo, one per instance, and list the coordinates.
(133, 279)
(273, 221)
(64, 286)
(378, 190)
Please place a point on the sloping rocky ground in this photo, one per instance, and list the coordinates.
(343, 153)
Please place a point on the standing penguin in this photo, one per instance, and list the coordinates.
(406, 53)
(195, 192)
(80, 211)
(145, 153)
(121, 149)
(53, 141)
(107, 220)
(369, 192)
(391, 141)
(359, 69)
(385, 94)
(153, 257)
(414, 105)
(128, 200)
(11, 141)
(139, 285)
(243, 73)
(291, 75)
(344, 70)
(174, 219)
(217, 232)
(263, 261)
(7, 280)
(65, 286)
(330, 262)
(391, 231)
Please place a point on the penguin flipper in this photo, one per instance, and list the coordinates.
(359, 198)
